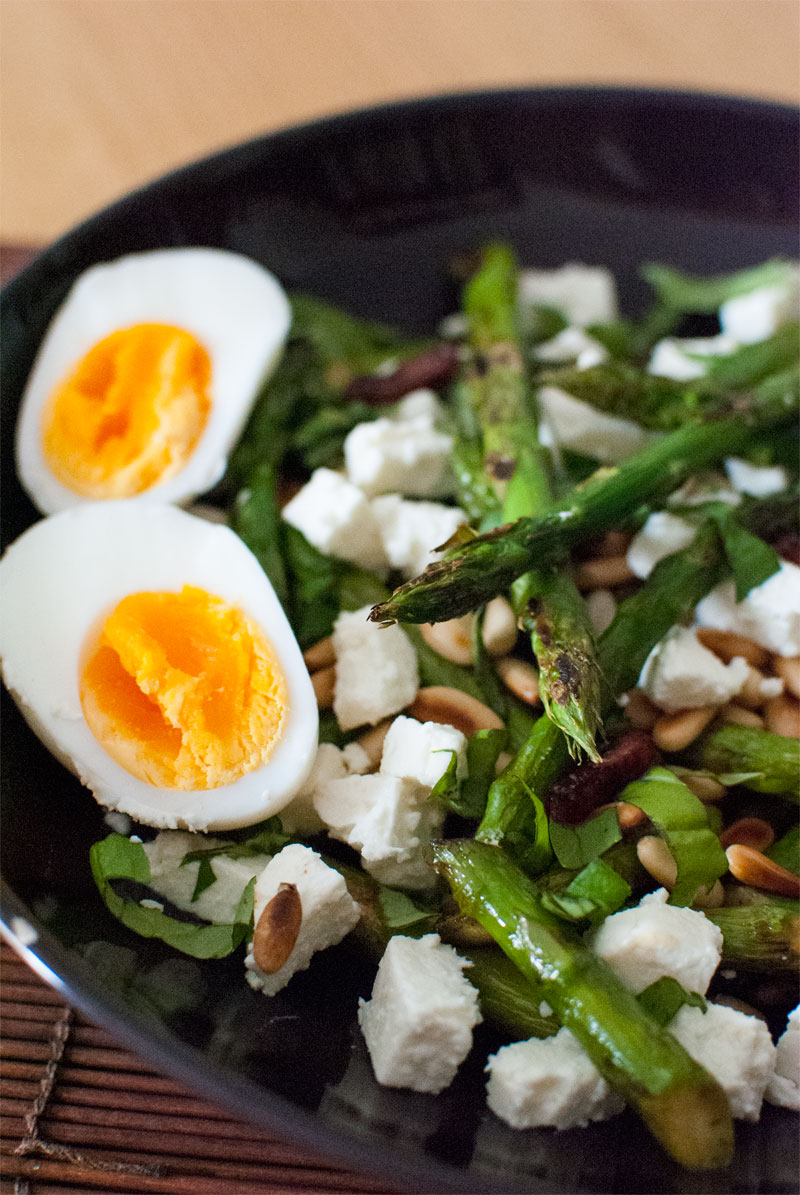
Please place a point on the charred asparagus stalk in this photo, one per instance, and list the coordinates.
(766, 763)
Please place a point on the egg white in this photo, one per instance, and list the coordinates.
(234, 307)
(69, 570)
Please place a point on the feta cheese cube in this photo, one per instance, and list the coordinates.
(376, 670)
(677, 359)
(680, 673)
(409, 456)
(418, 1023)
(769, 615)
(389, 819)
(422, 751)
(330, 763)
(655, 939)
(662, 534)
(573, 424)
(733, 1047)
(583, 294)
(329, 911)
(176, 883)
(417, 404)
(411, 531)
(572, 344)
(336, 517)
(784, 1086)
(548, 1081)
(757, 315)
(759, 481)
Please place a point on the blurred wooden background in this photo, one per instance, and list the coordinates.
(97, 96)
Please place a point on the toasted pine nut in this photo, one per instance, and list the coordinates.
(277, 928)
(460, 930)
(751, 867)
(750, 694)
(726, 645)
(705, 788)
(614, 543)
(601, 606)
(324, 683)
(372, 741)
(783, 716)
(286, 489)
(440, 703)
(629, 815)
(740, 1006)
(749, 831)
(604, 572)
(656, 858)
(499, 627)
(521, 677)
(673, 732)
(320, 655)
(736, 715)
(788, 668)
(503, 760)
(711, 898)
(640, 710)
(450, 639)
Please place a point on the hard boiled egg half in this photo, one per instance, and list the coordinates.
(148, 651)
(146, 376)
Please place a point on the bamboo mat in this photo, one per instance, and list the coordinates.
(81, 1114)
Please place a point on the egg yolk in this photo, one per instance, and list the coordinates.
(130, 413)
(183, 690)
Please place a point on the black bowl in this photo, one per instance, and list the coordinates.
(366, 210)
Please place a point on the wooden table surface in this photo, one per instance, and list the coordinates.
(98, 96)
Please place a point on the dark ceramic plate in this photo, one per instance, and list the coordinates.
(366, 210)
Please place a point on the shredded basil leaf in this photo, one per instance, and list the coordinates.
(575, 846)
(786, 851)
(751, 560)
(686, 293)
(399, 910)
(664, 999)
(595, 892)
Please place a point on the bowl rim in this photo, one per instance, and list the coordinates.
(65, 971)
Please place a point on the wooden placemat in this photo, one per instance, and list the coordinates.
(81, 1114)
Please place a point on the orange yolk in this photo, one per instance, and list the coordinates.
(130, 413)
(183, 690)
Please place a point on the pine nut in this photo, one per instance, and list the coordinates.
(705, 788)
(629, 816)
(749, 831)
(727, 645)
(372, 741)
(450, 639)
(277, 928)
(324, 683)
(740, 1006)
(673, 732)
(499, 627)
(737, 715)
(601, 607)
(750, 694)
(603, 572)
(751, 867)
(320, 655)
(521, 677)
(440, 703)
(788, 669)
(783, 716)
(711, 898)
(614, 543)
(460, 930)
(656, 858)
(640, 710)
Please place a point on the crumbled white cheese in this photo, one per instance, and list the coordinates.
(417, 404)
(330, 763)
(422, 751)
(176, 883)
(120, 823)
(655, 939)
(677, 359)
(418, 1023)
(759, 314)
(769, 614)
(548, 1081)
(336, 517)
(680, 673)
(329, 911)
(411, 531)
(389, 819)
(583, 294)
(784, 1086)
(601, 605)
(376, 670)
(573, 424)
(733, 1047)
(572, 344)
(662, 534)
(407, 456)
(759, 481)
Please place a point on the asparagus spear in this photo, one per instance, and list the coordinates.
(766, 763)
(474, 572)
(682, 1105)
(760, 937)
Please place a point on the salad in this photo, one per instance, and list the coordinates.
(540, 753)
